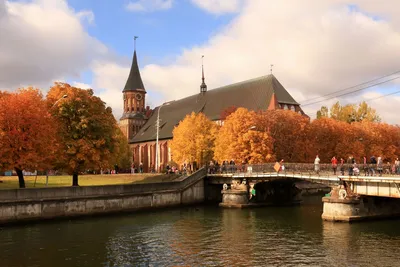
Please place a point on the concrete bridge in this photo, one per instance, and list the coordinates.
(351, 198)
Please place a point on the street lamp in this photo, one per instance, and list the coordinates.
(64, 96)
(47, 173)
(158, 129)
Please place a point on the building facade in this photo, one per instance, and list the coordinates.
(139, 124)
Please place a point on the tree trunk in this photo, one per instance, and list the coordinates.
(75, 179)
(20, 178)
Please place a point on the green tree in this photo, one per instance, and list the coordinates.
(349, 113)
(123, 154)
(87, 129)
(323, 112)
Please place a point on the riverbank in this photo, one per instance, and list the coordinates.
(18, 205)
(11, 182)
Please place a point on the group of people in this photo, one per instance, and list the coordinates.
(370, 168)
(135, 169)
(226, 167)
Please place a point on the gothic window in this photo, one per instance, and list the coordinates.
(299, 112)
(280, 106)
(285, 107)
(292, 108)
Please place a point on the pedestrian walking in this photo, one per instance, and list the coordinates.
(334, 164)
(316, 164)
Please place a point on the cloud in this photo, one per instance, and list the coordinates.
(44, 40)
(316, 47)
(149, 5)
(81, 85)
(219, 6)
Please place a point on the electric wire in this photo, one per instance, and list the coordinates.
(352, 92)
(351, 87)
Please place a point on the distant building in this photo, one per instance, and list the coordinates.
(138, 122)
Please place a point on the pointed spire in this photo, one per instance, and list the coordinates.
(134, 81)
(203, 86)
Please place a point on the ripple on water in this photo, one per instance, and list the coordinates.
(205, 236)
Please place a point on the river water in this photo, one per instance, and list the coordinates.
(204, 236)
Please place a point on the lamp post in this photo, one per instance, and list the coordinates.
(158, 129)
(64, 96)
(47, 173)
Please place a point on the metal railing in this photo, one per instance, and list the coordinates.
(308, 169)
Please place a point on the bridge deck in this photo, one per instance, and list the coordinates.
(306, 176)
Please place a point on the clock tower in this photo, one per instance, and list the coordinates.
(134, 95)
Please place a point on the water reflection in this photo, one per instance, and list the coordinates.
(204, 236)
(362, 244)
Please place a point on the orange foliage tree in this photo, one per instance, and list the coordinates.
(87, 129)
(241, 139)
(193, 139)
(28, 139)
(287, 130)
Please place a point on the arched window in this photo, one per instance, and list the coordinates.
(299, 112)
(285, 107)
(292, 108)
(280, 106)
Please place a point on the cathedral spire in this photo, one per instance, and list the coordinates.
(134, 81)
(203, 86)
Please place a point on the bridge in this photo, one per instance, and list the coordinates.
(353, 197)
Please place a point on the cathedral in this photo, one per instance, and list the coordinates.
(138, 121)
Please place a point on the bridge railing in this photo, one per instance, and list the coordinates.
(309, 169)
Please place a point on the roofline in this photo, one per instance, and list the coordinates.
(149, 140)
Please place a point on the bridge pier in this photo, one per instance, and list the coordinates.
(237, 196)
(344, 207)
(267, 193)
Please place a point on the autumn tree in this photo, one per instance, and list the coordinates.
(323, 135)
(349, 113)
(123, 154)
(28, 139)
(242, 139)
(193, 139)
(87, 129)
(287, 131)
(323, 112)
(228, 111)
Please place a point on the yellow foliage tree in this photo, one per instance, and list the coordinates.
(240, 139)
(193, 139)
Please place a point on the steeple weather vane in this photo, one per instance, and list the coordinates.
(271, 68)
(134, 41)
(203, 86)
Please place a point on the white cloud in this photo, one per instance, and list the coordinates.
(81, 85)
(86, 15)
(219, 6)
(43, 40)
(149, 5)
(316, 46)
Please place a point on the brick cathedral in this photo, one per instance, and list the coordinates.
(138, 121)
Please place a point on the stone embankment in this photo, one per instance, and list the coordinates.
(46, 203)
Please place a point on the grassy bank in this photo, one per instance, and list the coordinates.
(11, 182)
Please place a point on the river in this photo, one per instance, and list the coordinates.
(204, 236)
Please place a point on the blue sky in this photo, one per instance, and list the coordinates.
(162, 34)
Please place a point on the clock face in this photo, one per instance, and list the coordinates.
(138, 97)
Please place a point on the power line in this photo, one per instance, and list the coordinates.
(382, 96)
(367, 100)
(348, 88)
(352, 92)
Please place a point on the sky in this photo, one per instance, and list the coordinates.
(316, 46)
